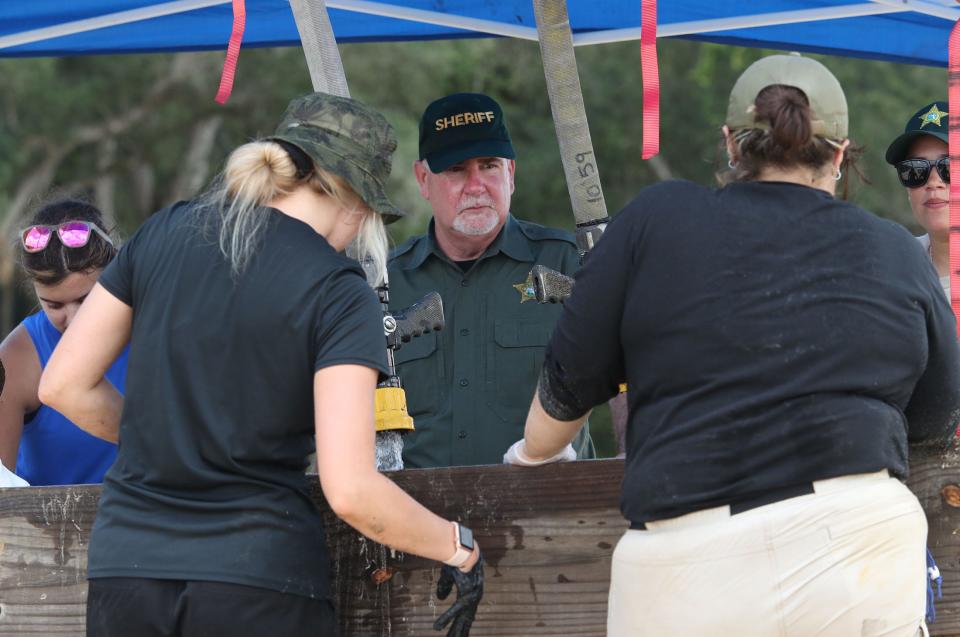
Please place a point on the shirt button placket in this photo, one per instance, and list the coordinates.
(465, 370)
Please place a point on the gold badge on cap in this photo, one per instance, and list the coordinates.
(526, 289)
(933, 116)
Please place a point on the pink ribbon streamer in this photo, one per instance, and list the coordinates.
(651, 78)
(233, 52)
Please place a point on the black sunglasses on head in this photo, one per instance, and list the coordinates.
(914, 173)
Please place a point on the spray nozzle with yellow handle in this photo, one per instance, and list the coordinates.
(392, 419)
(399, 327)
(424, 316)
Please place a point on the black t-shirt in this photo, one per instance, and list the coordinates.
(218, 416)
(770, 336)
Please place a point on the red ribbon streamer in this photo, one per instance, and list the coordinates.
(651, 78)
(953, 94)
(954, 138)
(233, 52)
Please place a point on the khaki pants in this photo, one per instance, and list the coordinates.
(845, 561)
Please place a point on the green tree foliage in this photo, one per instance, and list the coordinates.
(136, 133)
(695, 82)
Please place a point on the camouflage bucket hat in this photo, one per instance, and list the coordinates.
(346, 138)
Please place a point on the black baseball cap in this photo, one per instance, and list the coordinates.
(929, 120)
(463, 126)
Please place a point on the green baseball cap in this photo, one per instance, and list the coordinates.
(346, 138)
(463, 126)
(828, 104)
(930, 120)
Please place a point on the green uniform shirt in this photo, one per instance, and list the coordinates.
(469, 386)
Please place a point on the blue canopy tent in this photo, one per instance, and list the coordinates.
(906, 31)
(911, 31)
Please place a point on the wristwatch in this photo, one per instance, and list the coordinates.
(463, 540)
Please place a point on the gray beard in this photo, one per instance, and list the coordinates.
(472, 229)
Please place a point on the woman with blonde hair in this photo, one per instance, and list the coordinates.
(249, 336)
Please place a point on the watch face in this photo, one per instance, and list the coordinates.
(466, 538)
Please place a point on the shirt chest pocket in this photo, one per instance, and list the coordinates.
(513, 366)
(419, 365)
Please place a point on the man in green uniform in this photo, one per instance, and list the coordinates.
(469, 386)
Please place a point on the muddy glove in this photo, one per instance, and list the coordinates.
(516, 455)
(469, 592)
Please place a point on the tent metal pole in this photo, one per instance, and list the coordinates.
(106, 21)
(182, 6)
(744, 22)
(436, 17)
(872, 7)
(925, 7)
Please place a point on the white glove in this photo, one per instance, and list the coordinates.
(10, 479)
(516, 455)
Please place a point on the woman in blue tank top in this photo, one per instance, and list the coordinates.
(62, 251)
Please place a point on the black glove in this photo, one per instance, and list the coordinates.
(469, 592)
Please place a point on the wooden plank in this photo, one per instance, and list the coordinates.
(43, 559)
(548, 535)
(935, 479)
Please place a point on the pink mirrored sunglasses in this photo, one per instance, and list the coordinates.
(72, 234)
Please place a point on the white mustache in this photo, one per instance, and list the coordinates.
(475, 202)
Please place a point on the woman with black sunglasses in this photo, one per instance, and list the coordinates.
(782, 348)
(62, 251)
(920, 156)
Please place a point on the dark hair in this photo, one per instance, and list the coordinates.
(55, 262)
(786, 139)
